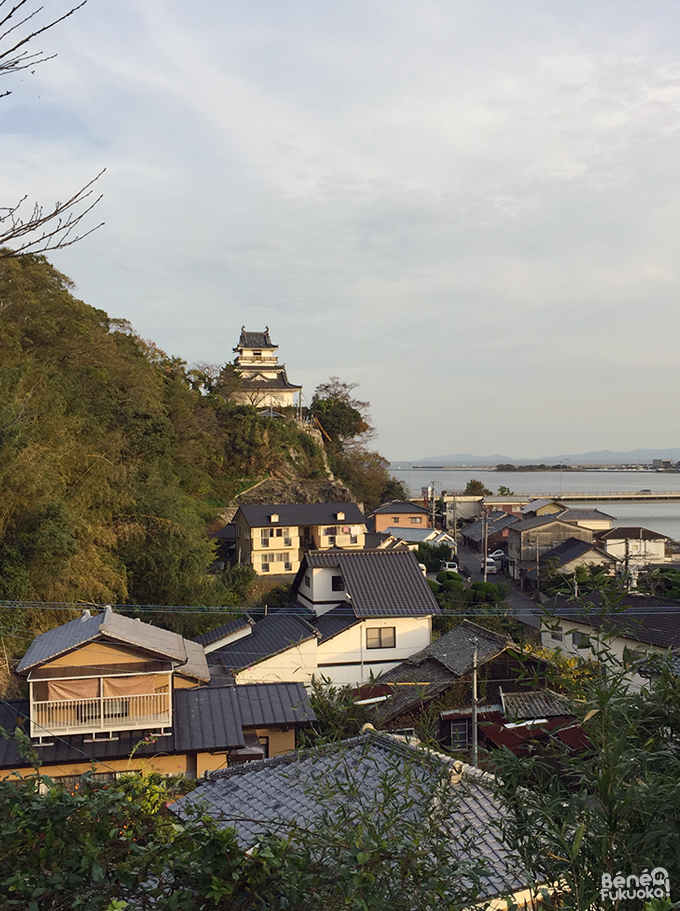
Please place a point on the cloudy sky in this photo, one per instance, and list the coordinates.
(469, 207)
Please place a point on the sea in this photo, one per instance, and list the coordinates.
(657, 515)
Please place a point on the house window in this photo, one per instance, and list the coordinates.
(459, 735)
(307, 581)
(354, 539)
(416, 520)
(288, 566)
(381, 637)
(287, 542)
(395, 520)
(337, 584)
(580, 640)
(331, 530)
(557, 635)
(331, 540)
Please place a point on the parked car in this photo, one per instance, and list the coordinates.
(491, 566)
(450, 565)
(497, 554)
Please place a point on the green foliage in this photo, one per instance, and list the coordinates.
(611, 805)
(476, 488)
(663, 581)
(337, 714)
(504, 491)
(433, 555)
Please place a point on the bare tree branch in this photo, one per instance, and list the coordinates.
(59, 226)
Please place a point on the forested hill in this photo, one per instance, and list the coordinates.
(115, 456)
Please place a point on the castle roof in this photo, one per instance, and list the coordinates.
(255, 339)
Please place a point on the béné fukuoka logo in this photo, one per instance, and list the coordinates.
(648, 885)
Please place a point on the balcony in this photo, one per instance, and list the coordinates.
(101, 714)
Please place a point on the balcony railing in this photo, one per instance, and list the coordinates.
(107, 713)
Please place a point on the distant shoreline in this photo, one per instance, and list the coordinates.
(507, 467)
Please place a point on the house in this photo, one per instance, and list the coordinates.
(530, 539)
(522, 721)
(594, 519)
(372, 608)
(377, 776)
(439, 677)
(567, 556)
(493, 526)
(273, 538)
(398, 512)
(641, 625)
(542, 507)
(280, 647)
(264, 382)
(634, 546)
(122, 694)
(414, 537)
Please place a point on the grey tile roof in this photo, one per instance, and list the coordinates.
(258, 516)
(204, 718)
(399, 506)
(188, 656)
(529, 524)
(255, 339)
(261, 382)
(414, 535)
(274, 795)
(639, 618)
(631, 531)
(437, 666)
(269, 636)
(335, 621)
(537, 704)
(381, 583)
(212, 635)
(533, 505)
(573, 549)
(576, 514)
(497, 521)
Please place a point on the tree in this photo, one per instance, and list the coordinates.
(37, 229)
(476, 488)
(344, 418)
(504, 491)
(610, 803)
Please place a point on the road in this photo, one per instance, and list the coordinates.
(523, 607)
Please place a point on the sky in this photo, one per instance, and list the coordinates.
(471, 208)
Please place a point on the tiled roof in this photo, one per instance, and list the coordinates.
(414, 535)
(255, 339)
(272, 634)
(335, 621)
(573, 549)
(639, 618)
(631, 531)
(381, 583)
(437, 666)
(258, 516)
(533, 505)
(582, 514)
(539, 704)
(273, 795)
(212, 635)
(188, 656)
(260, 382)
(529, 524)
(203, 719)
(400, 506)
(496, 522)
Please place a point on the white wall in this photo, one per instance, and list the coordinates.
(345, 658)
(296, 665)
(615, 645)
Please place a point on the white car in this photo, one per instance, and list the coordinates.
(490, 566)
(451, 565)
(498, 554)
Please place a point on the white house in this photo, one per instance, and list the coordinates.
(636, 544)
(642, 625)
(373, 609)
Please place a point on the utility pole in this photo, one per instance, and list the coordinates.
(433, 525)
(474, 705)
(485, 537)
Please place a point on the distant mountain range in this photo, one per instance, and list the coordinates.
(599, 457)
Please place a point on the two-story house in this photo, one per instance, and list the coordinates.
(398, 513)
(372, 609)
(273, 538)
(124, 695)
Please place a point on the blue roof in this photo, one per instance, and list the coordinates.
(272, 634)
